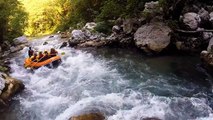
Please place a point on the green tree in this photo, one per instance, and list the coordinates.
(12, 20)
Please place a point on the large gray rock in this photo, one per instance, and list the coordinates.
(209, 49)
(12, 86)
(204, 15)
(14, 49)
(20, 40)
(152, 37)
(211, 18)
(191, 20)
(78, 35)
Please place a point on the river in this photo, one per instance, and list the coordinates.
(121, 84)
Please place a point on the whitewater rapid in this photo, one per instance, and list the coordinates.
(116, 86)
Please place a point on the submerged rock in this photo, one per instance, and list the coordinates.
(64, 44)
(152, 37)
(90, 116)
(151, 118)
(11, 87)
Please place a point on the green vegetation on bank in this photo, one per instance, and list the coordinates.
(40, 17)
(47, 16)
(12, 20)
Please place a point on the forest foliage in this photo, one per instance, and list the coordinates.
(40, 17)
(12, 20)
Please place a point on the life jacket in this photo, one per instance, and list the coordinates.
(39, 57)
(46, 55)
(33, 58)
(53, 53)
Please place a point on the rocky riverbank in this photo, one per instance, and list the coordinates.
(152, 33)
(189, 32)
(9, 86)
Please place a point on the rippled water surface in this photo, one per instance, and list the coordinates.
(122, 84)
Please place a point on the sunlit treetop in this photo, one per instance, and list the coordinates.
(43, 15)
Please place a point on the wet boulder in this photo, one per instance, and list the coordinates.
(152, 37)
(191, 21)
(45, 43)
(64, 44)
(90, 116)
(11, 87)
(73, 43)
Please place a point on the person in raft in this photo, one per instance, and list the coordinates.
(43, 56)
(46, 55)
(30, 52)
(33, 58)
(53, 52)
(40, 57)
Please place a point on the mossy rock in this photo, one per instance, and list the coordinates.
(3, 69)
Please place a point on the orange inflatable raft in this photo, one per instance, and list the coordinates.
(30, 64)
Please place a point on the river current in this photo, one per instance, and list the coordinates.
(121, 84)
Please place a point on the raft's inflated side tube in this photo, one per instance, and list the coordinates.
(29, 63)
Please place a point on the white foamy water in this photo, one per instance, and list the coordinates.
(85, 83)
